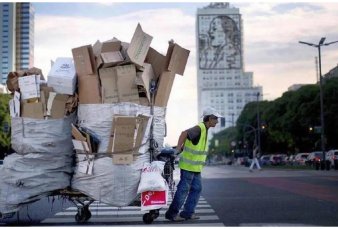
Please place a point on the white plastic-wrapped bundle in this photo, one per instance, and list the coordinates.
(42, 162)
(110, 183)
(37, 135)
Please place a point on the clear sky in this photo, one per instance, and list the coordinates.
(271, 34)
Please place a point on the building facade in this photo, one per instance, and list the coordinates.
(17, 37)
(221, 79)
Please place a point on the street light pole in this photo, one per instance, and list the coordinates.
(321, 43)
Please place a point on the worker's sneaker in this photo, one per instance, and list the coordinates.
(177, 218)
(193, 217)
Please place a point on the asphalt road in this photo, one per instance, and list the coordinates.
(231, 196)
(272, 197)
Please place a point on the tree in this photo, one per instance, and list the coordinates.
(5, 138)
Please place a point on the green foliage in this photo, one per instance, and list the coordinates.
(5, 138)
(288, 119)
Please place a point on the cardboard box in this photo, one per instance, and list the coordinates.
(84, 60)
(109, 59)
(126, 85)
(62, 76)
(89, 89)
(144, 78)
(29, 86)
(106, 46)
(108, 79)
(157, 61)
(139, 46)
(32, 110)
(164, 86)
(177, 58)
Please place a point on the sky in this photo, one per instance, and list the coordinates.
(271, 50)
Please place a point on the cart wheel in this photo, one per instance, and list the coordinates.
(80, 218)
(154, 213)
(147, 218)
(87, 213)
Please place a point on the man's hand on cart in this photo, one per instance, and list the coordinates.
(177, 151)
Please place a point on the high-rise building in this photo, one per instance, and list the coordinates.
(221, 79)
(17, 37)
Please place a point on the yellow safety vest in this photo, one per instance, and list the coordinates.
(193, 156)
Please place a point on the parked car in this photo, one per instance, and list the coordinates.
(300, 158)
(332, 156)
(264, 160)
(290, 160)
(314, 157)
(276, 160)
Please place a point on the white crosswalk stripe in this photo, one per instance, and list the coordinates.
(132, 215)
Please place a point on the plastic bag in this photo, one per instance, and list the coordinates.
(151, 178)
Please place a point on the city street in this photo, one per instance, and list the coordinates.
(232, 196)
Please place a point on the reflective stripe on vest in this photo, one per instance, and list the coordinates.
(193, 156)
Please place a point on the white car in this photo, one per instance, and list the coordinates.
(300, 158)
(332, 155)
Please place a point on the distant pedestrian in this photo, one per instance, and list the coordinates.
(254, 159)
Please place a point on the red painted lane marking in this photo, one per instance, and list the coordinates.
(301, 188)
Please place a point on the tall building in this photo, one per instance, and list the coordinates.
(17, 37)
(221, 79)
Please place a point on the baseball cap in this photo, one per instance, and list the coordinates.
(211, 111)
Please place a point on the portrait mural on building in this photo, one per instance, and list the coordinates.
(219, 42)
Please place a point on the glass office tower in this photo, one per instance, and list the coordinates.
(17, 37)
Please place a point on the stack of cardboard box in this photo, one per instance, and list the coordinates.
(113, 72)
(34, 99)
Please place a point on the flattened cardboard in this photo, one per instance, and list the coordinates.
(139, 45)
(157, 61)
(108, 79)
(59, 106)
(126, 85)
(44, 95)
(14, 105)
(84, 60)
(142, 123)
(123, 131)
(177, 58)
(32, 110)
(76, 133)
(164, 88)
(89, 89)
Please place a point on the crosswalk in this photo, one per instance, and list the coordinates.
(104, 214)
